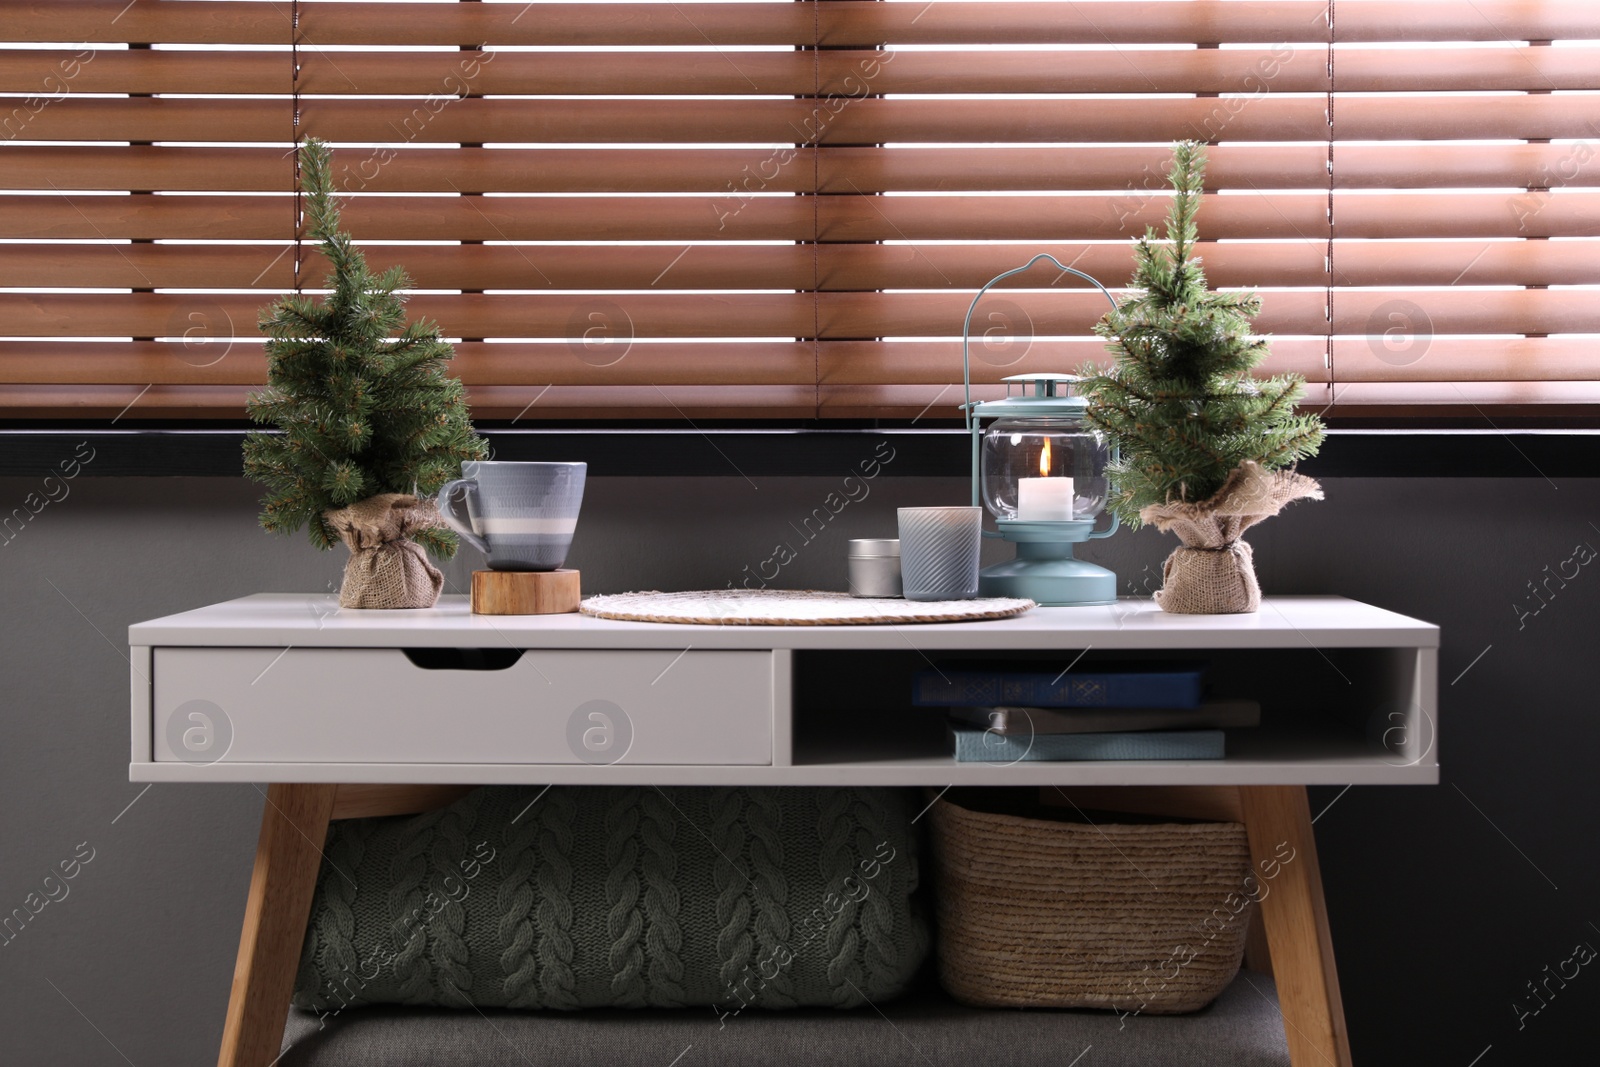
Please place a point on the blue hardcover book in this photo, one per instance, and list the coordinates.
(986, 746)
(1164, 688)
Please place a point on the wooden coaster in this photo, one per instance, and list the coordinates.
(525, 592)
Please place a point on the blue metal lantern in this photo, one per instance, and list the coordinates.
(1039, 468)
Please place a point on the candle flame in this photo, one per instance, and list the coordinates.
(1044, 459)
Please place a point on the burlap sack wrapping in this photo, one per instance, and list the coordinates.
(1214, 573)
(386, 568)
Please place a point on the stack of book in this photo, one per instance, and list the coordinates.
(1005, 715)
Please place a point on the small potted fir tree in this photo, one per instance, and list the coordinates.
(369, 424)
(1202, 440)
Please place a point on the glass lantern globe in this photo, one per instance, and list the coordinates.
(1020, 452)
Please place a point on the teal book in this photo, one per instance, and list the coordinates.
(987, 746)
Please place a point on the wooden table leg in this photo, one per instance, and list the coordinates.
(1278, 819)
(294, 825)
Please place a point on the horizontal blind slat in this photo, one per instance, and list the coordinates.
(1257, 69)
(1121, 169)
(690, 218)
(846, 23)
(419, 219)
(1386, 400)
(71, 168)
(843, 22)
(860, 315)
(865, 121)
(1384, 117)
(146, 22)
(1261, 216)
(211, 356)
(1359, 359)
(85, 70)
(1390, 402)
(830, 267)
(841, 315)
(487, 402)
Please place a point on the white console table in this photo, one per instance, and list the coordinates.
(351, 713)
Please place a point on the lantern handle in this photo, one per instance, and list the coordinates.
(966, 324)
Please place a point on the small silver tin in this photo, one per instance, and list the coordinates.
(875, 567)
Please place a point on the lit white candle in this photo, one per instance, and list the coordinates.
(1041, 499)
(1044, 499)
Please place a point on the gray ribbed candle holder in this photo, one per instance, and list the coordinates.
(939, 552)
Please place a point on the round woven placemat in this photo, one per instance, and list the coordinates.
(792, 607)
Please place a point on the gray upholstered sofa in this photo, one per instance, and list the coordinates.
(1242, 1029)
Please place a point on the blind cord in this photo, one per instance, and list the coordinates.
(294, 141)
(1328, 266)
(816, 211)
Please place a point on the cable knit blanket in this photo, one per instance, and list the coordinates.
(575, 897)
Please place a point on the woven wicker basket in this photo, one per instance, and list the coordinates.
(1040, 912)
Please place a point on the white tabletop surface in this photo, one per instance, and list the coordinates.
(313, 621)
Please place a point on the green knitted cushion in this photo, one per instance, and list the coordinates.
(610, 896)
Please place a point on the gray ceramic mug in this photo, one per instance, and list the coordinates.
(520, 515)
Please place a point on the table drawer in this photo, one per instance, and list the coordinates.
(363, 705)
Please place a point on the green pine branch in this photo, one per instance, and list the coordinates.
(359, 396)
(1180, 399)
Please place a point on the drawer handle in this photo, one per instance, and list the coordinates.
(463, 659)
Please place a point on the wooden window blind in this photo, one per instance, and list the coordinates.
(779, 210)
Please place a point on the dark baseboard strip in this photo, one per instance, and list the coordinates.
(214, 453)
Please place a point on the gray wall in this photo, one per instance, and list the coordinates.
(1445, 901)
